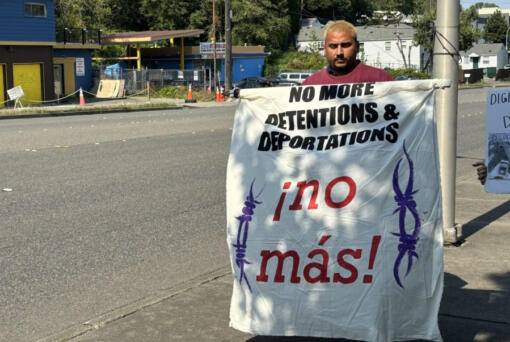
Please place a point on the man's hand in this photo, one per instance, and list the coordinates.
(481, 170)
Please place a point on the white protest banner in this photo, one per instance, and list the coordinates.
(334, 212)
(497, 146)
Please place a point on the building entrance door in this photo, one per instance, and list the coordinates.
(2, 90)
(58, 77)
(28, 76)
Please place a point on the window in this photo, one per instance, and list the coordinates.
(294, 76)
(319, 45)
(33, 9)
(361, 47)
(485, 60)
(387, 46)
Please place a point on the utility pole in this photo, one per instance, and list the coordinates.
(228, 46)
(214, 41)
(446, 56)
(301, 11)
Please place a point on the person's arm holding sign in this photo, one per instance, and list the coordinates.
(481, 171)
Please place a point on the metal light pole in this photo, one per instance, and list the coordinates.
(214, 41)
(228, 46)
(506, 39)
(446, 45)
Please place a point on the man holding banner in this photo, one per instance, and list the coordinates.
(334, 221)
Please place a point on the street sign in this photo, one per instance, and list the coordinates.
(80, 66)
(207, 50)
(15, 94)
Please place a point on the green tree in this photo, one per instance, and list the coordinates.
(67, 14)
(127, 16)
(83, 14)
(295, 15)
(424, 34)
(168, 14)
(484, 5)
(467, 34)
(495, 30)
(95, 14)
(350, 10)
(403, 6)
(261, 22)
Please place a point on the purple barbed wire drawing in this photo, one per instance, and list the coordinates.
(405, 202)
(242, 233)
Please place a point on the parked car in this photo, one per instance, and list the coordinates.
(249, 82)
(296, 76)
(252, 82)
(280, 82)
(405, 78)
(260, 82)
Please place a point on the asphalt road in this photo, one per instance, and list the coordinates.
(470, 130)
(108, 209)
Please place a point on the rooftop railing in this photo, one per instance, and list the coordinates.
(78, 36)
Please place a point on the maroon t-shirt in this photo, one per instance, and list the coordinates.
(361, 73)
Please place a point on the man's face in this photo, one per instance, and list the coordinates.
(340, 51)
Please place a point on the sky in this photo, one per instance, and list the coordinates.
(504, 4)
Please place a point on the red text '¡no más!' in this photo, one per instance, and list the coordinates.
(320, 269)
(296, 205)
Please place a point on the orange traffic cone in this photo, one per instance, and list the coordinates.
(222, 96)
(82, 98)
(217, 94)
(190, 96)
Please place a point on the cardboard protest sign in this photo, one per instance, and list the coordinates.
(334, 212)
(497, 147)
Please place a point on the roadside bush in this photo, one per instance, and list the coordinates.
(172, 92)
(293, 60)
(408, 72)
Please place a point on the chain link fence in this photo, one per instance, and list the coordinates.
(136, 80)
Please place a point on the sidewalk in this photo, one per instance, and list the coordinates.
(475, 305)
(96, 106)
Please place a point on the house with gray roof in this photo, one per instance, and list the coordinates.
(382, 46)
(489, 57)
(310, 36)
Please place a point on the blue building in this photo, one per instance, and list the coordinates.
(31, 55)
(247, 61)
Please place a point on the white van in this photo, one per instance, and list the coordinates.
(297, 76)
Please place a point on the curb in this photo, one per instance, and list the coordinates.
(85, 112)
(128, 309)
(108, 111)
